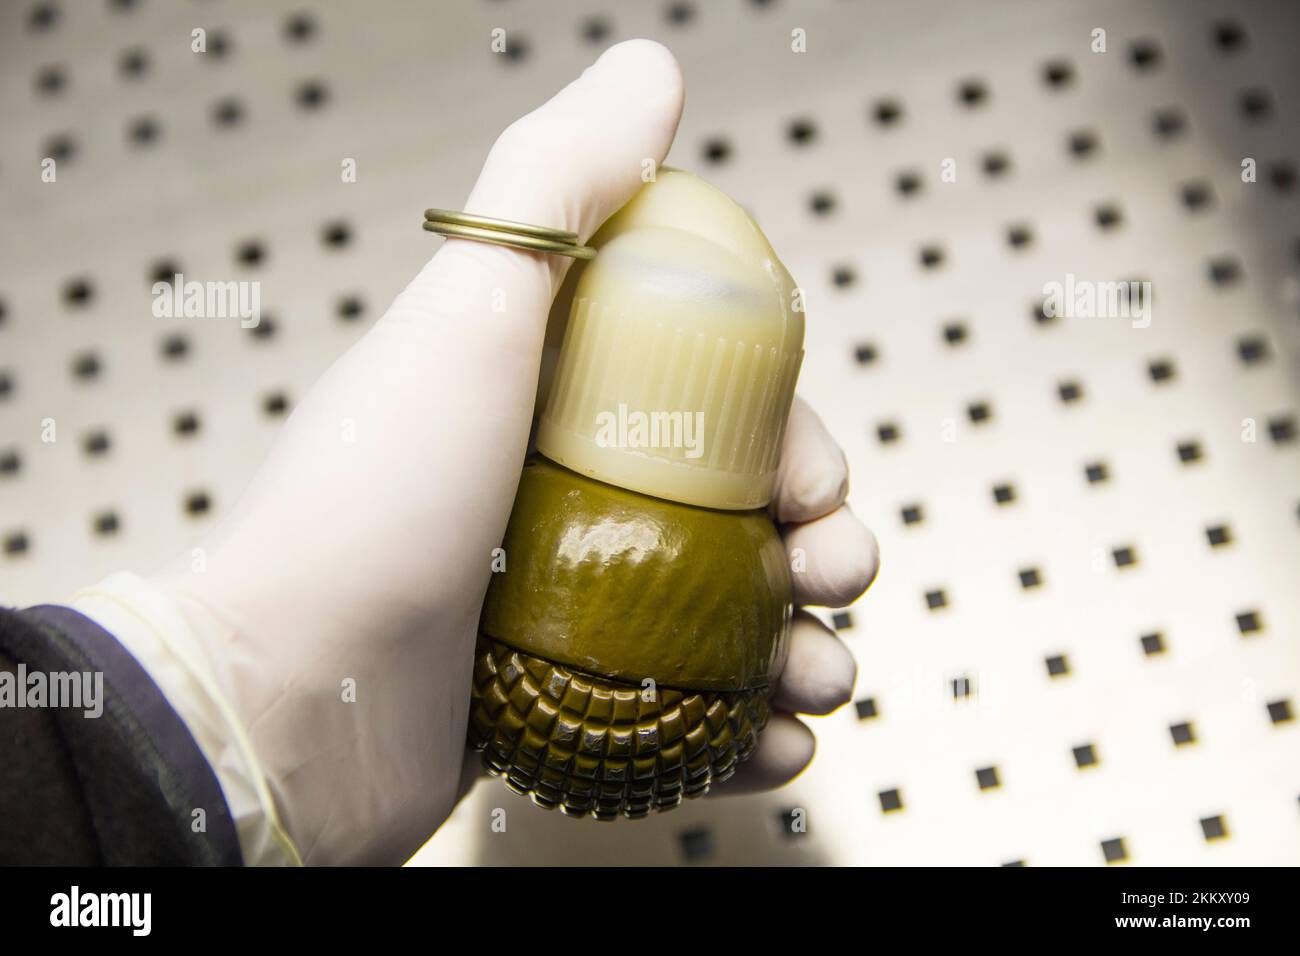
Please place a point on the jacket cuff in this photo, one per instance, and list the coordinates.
(148, 624)
(134, 757)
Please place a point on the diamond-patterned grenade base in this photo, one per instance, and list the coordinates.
(594, 747)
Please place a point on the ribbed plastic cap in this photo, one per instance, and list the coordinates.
(681, 353)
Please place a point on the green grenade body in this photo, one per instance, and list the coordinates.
(628, 650)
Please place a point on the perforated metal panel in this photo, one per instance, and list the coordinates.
(1083, 646)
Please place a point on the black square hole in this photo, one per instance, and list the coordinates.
(349, 308)
(1153, 643)
(1214, 828)
(275, 404)
(1279, 712)
(1249, 622)
(250, 252)
(1182, 734)
(865, 354)
(1004, 494)
(134, 63)
(175, 347)
(1169, 122)
(716, 150)
(972, 93)
(935, 600)
(801, 132)
(1190, 452)
(1057, 666)
(1161, 371)
(1096, 472)
(908, 183)
(61, 147)
(987, 778)
(843, 276)
(822, 203)
(680, 12)
(1083, 143)
(1144, 54)
(1124, 556)
(1229, 35)
(1252, 349)
(79, 292)
(1218, 535)
(912, 514)
(696, 844)
(979, 412)
(1108, 216)
(50, 79)
(1282, 429)
(106, 524)
(888, 432)
(1114, 851)
(1058, 74)
(887, 112)
(842, 620)
(1019, 236)
(1255, 104)
(1085, 755)
(299, 28)
(1224, 271)
(96, 443)
(16, 543)
(185, 424)
(165, 271)
(891, 801)
(336, 235)
(520, 48)
(86, 366)
(227, 112)
(43, 16)
(1282, 175)
(995, 164)
(792, 822)
(866, 708)
(1069, 391)
(1196, 196)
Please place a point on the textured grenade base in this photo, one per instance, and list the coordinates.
(592, 747)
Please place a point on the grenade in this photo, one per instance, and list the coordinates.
(627, 653)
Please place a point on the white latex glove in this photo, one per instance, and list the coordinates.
(369, 559)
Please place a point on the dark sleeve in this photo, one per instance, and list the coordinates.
(120, 788)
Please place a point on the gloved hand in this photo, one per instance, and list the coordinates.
(363, 563)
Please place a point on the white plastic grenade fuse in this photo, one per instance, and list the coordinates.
(686, 325)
